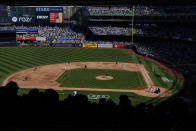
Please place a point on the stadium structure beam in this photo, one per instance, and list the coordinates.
(97, 2)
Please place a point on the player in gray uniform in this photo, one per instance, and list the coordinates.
(25, 79)
(150, 89)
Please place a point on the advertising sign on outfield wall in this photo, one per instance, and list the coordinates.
(120, 46)
(25, 38)
(105, 45)
(63, 45)
(40, 38)
(89, 45)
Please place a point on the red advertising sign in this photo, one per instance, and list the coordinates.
(25, 38)
(56, 17)
(19, 38)
(120, 46)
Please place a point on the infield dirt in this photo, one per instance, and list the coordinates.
(45, 77)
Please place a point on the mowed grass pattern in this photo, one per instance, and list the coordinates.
(15, 59)
(87, 79)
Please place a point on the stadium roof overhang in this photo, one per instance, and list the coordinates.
(96, 2)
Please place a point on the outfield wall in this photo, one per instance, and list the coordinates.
(41, 41)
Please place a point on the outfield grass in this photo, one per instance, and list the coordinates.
(82, 78)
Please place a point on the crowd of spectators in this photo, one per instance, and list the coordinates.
(66, 33)
(11, 27)
(44, 111)
(140, 10)
(172, 31)
(60, 34)
(172, 52)
(109, 30)
(108, 10)
(176, 32)
(75, 35)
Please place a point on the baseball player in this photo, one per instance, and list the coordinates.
(65, 68)
(153, 69)
(25, 79)
(85, 67)
(106, 74)
(74, 93)
(116, 63)
(157, 90)
(35, 69)
(150, 88)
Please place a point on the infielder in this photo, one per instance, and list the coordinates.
(116, 63)
(150, 88)
(85, 67)
(35, 69)
(25, 79)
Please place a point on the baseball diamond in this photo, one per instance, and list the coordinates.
(129, 74)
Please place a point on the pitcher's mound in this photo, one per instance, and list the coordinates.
(104, 77)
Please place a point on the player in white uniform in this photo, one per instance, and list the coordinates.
(153, 69)
(74, 93)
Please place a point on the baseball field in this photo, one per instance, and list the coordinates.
(108, 73)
